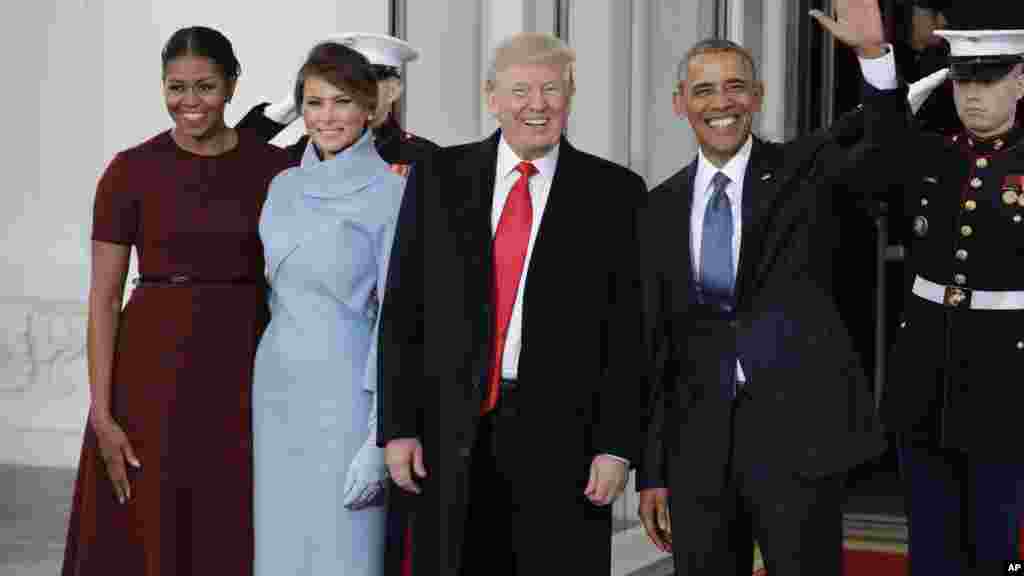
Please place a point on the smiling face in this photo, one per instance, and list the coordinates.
(988, 109)
(334, 121)
(719, 98)
(531, 103)
(196, 92)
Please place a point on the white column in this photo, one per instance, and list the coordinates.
(599, 30)
(674, 28)
(640, 88)
(443, 88)
(736, 20)
(773, 69)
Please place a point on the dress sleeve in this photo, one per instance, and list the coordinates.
(382, 244)
(115, 216)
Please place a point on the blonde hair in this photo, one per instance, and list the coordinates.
(531, 48)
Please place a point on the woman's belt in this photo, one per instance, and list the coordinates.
(963, 297)
(190, 280)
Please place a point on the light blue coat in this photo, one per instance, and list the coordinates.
(327, 229)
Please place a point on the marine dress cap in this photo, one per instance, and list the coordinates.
(983, 55)
(379, 49)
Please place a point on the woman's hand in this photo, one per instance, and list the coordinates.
(367, 476)
(116, 450)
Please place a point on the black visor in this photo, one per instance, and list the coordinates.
(384, 72)
(985, 69)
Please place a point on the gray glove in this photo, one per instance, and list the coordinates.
(367, 476)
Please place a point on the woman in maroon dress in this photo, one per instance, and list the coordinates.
(164, 483)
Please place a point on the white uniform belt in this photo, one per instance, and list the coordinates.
(963, 297)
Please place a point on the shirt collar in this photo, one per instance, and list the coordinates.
(508, 160)
(735, 168)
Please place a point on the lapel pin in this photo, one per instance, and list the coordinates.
(766, 176)
(931, 179)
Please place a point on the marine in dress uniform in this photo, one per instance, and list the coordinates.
(387, 54)
(954, 391)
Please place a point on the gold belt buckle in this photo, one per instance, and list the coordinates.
(955, 296)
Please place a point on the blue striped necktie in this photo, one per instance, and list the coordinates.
(717, 278)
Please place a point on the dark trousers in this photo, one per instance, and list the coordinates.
(490, 540)
(796, 521)
(964, 512)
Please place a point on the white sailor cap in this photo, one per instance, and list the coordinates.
(984, 55)
(379, 49)
(982, 43)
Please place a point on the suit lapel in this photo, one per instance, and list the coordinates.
(759, 186)
(560, 201)
(558, 223)
(475, 183)
(683, 192)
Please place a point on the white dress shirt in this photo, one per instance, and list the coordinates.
(879, 72)
(735, 169)
(540, 185)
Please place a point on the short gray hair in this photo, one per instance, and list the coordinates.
(531, 48)
(712, 45)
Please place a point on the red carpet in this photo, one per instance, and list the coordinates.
(869, 563)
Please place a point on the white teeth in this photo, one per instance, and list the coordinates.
(540, 122)
(194, 116)
(722, 122)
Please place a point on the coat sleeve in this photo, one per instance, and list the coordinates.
(383, 242)
(651, 468)
(622, 395)
(400, 358)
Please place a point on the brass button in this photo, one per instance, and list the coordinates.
(966, 231)
(924, 201)
(961, 254)
(1016, 218)
(976, 182)
(982, 162)
(970, 205)
(1020, 344)
(960, 279)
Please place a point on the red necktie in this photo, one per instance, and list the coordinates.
(511, 240)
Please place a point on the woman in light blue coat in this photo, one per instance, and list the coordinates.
(327, 227)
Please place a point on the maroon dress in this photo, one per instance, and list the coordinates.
(183, 361)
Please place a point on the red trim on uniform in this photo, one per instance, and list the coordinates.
(407, 552)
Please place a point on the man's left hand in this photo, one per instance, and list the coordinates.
(607, 479)
(858, 24)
